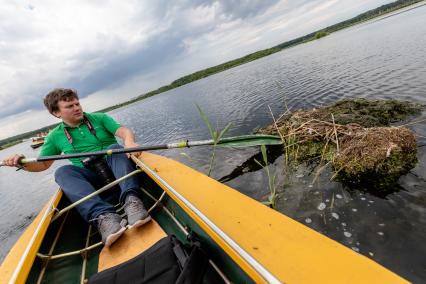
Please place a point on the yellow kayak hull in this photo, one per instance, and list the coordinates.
(287, 249)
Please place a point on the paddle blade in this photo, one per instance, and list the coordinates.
(249, 140)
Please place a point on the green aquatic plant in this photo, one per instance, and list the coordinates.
(353, 136)
(215, 134)
(272, 198)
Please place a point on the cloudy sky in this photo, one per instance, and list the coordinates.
(111, 51)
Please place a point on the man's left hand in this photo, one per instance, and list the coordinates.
(132, 145)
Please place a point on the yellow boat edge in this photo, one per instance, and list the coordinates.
(17, 264)
(291, 251)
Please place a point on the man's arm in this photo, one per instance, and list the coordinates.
(127, 135)
(38, 167)
(13, 161)
(128, 139)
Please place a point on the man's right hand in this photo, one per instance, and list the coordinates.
(13, 161)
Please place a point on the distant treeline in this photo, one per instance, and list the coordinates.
(384, 9)
(19, 138)
(199, 75)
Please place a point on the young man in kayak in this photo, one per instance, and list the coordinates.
(86, 132)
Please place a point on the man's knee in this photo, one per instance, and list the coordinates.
(64, 172)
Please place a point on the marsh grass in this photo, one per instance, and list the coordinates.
(272, 198)
(215, 134)
(353, 136)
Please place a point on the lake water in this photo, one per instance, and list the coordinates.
(384, 59)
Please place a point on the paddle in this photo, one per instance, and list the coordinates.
(236, 141)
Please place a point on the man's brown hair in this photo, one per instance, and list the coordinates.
(53, 97)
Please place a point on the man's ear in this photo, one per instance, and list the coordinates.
(56, 114)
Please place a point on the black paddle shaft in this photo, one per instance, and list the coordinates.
(100, 153)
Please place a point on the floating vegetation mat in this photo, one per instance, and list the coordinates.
(354, 137)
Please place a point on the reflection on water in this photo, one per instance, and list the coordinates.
(250, 165)
(380, 60)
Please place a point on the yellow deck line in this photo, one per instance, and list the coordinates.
(291, 251)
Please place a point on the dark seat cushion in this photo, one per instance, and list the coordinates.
(158, 264)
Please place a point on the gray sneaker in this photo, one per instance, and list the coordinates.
(110, 228)
(135, 211)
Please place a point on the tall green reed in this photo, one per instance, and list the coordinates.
(272, 198)
(215, 134)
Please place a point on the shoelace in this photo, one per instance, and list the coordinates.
(97, 218)
(133, 205)
(104, 219)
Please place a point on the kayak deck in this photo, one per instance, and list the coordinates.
(131, 243)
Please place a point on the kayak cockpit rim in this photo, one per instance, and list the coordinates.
(87, 248)
(99, 191)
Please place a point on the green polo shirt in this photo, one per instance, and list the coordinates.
(57, 143)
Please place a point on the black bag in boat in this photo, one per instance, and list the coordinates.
(165, 262)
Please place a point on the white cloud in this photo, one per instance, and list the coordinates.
(45, 46)
(120, 49)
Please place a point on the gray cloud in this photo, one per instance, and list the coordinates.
(114, 66)
(163, 48)
(117, 69)
(171, 25)
(245, 8)
(25, 102)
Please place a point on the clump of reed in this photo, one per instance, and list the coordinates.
(350, 137)
(387, 152)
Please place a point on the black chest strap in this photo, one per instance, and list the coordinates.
(89, 125)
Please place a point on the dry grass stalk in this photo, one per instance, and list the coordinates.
(367, 150)
(351, 148)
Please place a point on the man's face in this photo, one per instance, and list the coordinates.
(70, 111)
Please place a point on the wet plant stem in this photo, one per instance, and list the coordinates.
(212, 160)
(272, 198)
(215, 134)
